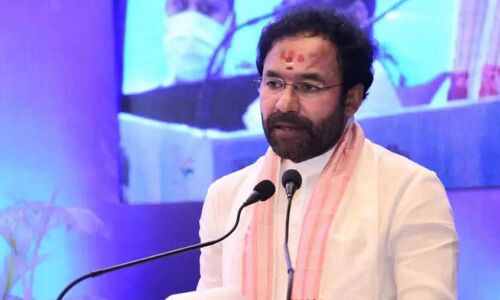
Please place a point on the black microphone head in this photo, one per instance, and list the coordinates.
(292, 176)
(265, 188)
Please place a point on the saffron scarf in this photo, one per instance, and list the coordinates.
(258, 258)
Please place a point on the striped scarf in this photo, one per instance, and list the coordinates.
(258, 258)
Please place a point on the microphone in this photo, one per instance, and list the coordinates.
(261, 192)
(291, 181)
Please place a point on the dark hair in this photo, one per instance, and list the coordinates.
(354, 49)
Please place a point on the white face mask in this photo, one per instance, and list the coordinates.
(190, 41)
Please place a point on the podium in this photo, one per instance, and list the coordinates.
(226, 293)
(168, 162)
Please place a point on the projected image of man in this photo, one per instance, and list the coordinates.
(193, 31)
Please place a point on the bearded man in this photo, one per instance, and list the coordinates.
(366, 223)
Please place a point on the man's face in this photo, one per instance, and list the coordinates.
(215, 9)
(301, 125)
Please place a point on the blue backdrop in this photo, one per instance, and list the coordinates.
(59, 91)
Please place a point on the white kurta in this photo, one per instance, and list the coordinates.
(393, 236)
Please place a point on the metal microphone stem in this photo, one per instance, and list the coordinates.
(287, 251)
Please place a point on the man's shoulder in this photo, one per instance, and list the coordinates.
(397, 179)
(390, 163)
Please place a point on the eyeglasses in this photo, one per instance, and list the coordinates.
(275, 86)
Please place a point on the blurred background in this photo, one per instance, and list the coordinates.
(115, 116)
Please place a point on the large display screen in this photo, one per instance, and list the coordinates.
(190, 109)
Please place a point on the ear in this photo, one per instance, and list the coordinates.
(353, 99)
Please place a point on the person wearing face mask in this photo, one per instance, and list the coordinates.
(193, 31)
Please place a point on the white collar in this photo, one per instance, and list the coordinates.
(308, 167)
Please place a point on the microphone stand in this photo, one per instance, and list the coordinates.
(292, 181)
(287, 252)
(152, 257)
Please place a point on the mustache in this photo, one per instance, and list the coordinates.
(291, 118)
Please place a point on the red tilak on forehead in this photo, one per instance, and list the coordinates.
(290, 56)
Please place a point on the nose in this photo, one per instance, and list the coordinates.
(288, 100)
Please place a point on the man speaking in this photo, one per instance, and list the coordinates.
(366, 223)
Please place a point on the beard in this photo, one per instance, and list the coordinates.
(308, 140)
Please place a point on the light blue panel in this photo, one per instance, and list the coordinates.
(460, 142)
(420, 36)
(143, 55)
(244, 42)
